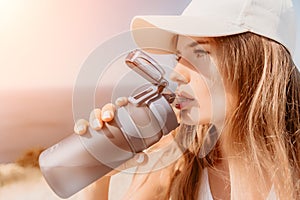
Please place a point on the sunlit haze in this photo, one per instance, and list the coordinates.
(43, 45)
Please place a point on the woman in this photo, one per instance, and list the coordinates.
(257, 154)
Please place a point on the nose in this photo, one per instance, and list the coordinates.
(180, 74)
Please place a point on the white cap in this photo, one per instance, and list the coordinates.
(274, 19)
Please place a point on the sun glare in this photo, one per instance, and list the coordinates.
(10, 11)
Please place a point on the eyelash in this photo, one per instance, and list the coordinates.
(177, 57)
(199, 53)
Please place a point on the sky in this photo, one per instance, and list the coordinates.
(44, 43)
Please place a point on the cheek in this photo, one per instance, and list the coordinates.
(202, 93)
(209, 92)
(201, 113)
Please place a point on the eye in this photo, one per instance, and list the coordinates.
(200, 52)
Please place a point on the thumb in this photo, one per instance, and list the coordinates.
(139, 159)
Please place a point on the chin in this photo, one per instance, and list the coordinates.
(193, 117)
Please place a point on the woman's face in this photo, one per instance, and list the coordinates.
(200, 92)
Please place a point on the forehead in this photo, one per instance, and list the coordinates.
(184, 42)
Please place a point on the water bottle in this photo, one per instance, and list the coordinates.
(79, 160)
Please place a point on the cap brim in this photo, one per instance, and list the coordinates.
(157, 33)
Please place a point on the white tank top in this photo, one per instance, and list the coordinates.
(205, 192)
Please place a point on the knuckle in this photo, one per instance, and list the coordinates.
(122, 101)
(109, 106)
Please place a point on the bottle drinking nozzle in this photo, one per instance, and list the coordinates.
(79, 160)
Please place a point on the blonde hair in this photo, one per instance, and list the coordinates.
(261, 135)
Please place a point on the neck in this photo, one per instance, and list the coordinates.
(219, 180)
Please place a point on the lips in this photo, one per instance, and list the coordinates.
(183, 100)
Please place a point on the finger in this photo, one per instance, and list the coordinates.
(95, 119)
(80, 126)
(139, 159)
(108, 112)
(121, 101)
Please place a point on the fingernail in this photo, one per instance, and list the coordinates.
(106, 115)
(96, 124)
(139, 158)
(121, 101)
(80, 129)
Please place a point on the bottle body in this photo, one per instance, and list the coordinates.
(77, 161)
